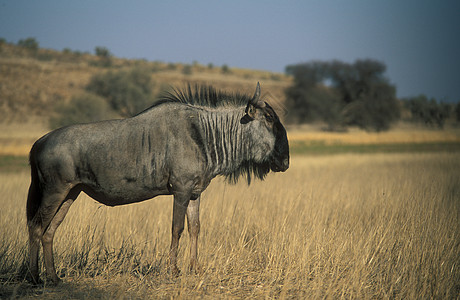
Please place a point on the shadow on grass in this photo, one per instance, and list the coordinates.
(65, 290)
(81, 278)
(83, 286)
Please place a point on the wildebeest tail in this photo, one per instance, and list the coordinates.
(34, 197)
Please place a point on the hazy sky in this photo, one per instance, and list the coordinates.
(418, 40)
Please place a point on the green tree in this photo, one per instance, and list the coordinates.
(342, 94)
(308, 99)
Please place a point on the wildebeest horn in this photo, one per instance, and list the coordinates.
(256, 99)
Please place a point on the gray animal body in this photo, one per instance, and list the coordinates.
(176, 147)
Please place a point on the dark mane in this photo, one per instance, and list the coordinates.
(204, 95)
(208, 96)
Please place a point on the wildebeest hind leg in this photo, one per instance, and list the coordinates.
(34, 247)
(48, 236)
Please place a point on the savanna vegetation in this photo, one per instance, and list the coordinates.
(39, 84)
(353, 226)
(59, 84)
(368, 209)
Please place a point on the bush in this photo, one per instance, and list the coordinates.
(172, 66)
(457, 112)
(127, 92)
(187, 70)
(104, 57)
(427, 112)
(226, 69)
(102, 52)
(30, 44)
(83, 108)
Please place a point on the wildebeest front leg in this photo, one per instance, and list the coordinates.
(193, 224)
(180, 207)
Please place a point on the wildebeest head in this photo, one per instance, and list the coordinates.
(270, 142)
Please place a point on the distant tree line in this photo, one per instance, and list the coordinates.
(342, 94)
(358, 94)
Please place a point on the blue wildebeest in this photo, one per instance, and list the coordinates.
(173, 148)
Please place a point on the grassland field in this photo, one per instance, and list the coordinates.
(359, 215)
(353, 224)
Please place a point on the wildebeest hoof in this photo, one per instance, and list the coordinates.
(195, 269)
(53, 281)
(34, 280)
(174, 271)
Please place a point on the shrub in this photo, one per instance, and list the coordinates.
(104, 57)
(187, 70)
(172, 66)
(83, 108)
(127, 92)
(275, 77)
(226, 69)
(102, 52)
(457, 112)
(427, 112)
(30, 44)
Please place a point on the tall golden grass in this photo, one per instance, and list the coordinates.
(343, 226)
(403, 133)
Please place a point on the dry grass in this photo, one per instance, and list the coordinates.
(343, 226)
(401, 134)
(17, 138)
